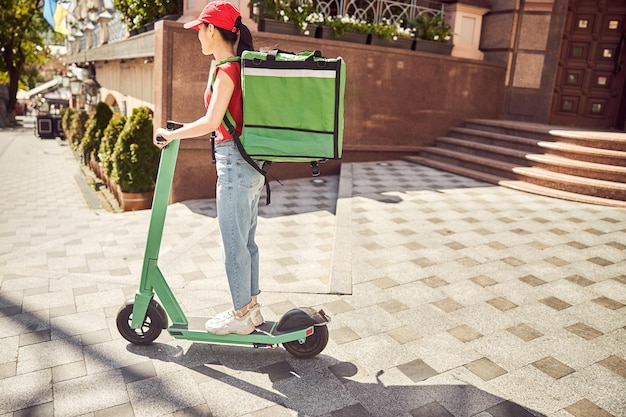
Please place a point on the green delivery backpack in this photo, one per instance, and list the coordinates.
(292, 107)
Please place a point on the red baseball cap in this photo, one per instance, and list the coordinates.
(218, 13)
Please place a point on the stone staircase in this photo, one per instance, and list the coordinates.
(572, 164)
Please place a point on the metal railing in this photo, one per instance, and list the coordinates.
(377, 10)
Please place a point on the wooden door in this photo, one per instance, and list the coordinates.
(590, 84)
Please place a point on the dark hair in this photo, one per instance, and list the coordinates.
(245, 37)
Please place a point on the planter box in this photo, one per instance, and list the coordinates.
(433, 47)
(276, 26)
(326, 32)
(401, 43)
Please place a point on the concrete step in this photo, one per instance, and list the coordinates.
(513, 128)
(562, 162)
(496, 139)
(491, 166)
(603, 140)
(455, 169)
(499, 153)
(585, 153)
(573, 184)
(580, 168)
(564, 195)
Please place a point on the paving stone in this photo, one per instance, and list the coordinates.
(525, 332)
(502, 303)
(608, 303)
(553, 367)
(124, 410)
(417, 370)
(433, 409)
(485, 369)
(68, 371)
(465, 333)
(555, 303)
(584, 331)
(615, 364)
(587, 409)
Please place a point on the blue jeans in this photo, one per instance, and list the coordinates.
(239, 187)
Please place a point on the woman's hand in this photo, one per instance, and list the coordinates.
(162, 137)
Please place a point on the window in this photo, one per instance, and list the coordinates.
(572, 79)
(567, 105)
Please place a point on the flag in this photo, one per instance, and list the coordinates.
(55, 14)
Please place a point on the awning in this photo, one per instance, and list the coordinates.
(41, 89)
(58, 94)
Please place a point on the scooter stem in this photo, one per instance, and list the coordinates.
(151, 277)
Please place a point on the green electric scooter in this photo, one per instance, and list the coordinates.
(301, 331)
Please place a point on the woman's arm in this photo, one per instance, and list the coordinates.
(223, 88)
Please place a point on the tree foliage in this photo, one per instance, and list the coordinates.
(23, 32)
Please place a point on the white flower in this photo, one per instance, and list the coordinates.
(436, 37)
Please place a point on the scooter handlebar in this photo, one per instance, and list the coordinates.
(171, 125)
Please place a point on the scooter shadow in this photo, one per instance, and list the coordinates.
(322, 386)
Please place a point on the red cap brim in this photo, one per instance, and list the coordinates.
(193, 24)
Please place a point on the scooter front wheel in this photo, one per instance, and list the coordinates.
(309, 347)
(150, 328)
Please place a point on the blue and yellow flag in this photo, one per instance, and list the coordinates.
(55, 14)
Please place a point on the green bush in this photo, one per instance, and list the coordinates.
(107, 144)
(77, 128)
(96, 124)
(431, 27)
(66, 120)
(135, 158)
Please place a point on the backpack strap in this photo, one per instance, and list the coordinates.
(263, 169)
(229, 123)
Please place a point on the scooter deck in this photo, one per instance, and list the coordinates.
(262, 335)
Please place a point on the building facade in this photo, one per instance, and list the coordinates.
(559, 62)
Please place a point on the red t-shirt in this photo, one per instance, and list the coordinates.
(235, 106)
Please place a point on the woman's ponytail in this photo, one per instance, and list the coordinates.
(245, 39)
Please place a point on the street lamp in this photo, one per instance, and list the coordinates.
(75, 87)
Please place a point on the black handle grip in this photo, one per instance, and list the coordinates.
(171, 125)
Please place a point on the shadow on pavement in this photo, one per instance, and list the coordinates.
(321, 386)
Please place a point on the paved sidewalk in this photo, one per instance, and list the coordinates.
(448, 297)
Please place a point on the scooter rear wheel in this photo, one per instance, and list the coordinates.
(311, 346)
(149, 330)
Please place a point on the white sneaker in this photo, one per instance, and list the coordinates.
(229, 323)
(255, 315)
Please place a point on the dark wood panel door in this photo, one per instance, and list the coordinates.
(590, 84)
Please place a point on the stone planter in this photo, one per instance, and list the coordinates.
(400, 43)
(134, 201)
(441, 48)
